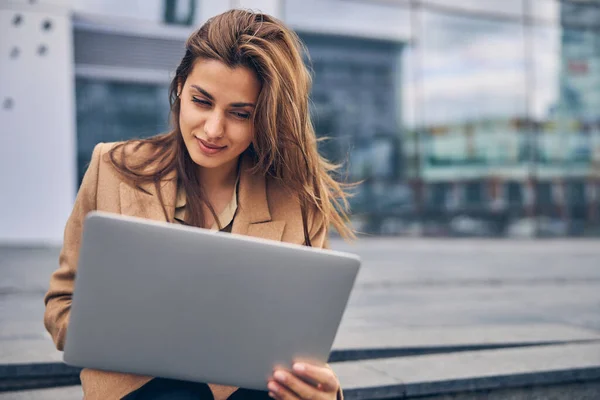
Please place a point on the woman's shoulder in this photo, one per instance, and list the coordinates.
(285, 203)
(112, 159)
(279, 196)
(131, 152)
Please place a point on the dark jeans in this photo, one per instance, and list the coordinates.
(170, 389)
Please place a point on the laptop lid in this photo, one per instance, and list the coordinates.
(179, 302)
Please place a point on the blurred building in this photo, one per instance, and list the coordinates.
(100, 72)
(461, 117)
(507, 129)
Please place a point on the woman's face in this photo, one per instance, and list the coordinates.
(215, 117)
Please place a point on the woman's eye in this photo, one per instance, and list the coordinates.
(242, 115)
(200, 101)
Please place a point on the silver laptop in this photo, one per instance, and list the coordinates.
(178, 302)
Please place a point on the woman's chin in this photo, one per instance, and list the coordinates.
(213, 161)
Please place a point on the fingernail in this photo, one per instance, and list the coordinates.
(271, 395)
(280, 376)
(299, 367)
(272, 386)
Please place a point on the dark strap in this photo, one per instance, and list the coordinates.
(305, 226)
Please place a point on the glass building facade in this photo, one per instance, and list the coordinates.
(484, 122)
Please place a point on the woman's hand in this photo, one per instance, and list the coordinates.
(285, 385)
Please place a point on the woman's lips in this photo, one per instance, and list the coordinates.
(207, 148)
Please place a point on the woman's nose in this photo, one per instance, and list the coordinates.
(214, 126)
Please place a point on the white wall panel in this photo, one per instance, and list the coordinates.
(37, 137)
(209, 8)
(271, 7)
(356, 18)
(147, 10)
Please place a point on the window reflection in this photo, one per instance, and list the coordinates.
(483, 121)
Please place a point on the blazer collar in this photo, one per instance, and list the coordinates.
(252, 218)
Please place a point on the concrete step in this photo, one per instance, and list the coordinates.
(385, 342)
(443, 374)
(33, 362)
(567, 369)
(63, 393)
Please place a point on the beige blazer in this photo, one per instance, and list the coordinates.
(265, 210)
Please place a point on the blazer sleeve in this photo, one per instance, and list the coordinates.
(59, 296)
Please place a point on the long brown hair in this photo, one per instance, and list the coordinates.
(285, 144)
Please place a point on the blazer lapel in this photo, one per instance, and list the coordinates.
(144, 202)
(253, 217)
(272, 230)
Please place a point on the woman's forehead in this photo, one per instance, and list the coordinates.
(224, 84)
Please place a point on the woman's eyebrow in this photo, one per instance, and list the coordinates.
(211, 97)
(242, 105)
(204, 92)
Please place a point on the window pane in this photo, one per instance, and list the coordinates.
(471, 69)
(566, 102)
(356, 104)
(114, 111)
(179, 12)
(472, 105)
(582, 15)
(473, 90)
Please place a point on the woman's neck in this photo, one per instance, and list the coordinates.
(220, 178)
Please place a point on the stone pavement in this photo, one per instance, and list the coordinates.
(459, 372)
(413, 297)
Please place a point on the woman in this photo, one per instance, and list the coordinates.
(242, 158)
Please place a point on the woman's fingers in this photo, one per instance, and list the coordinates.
(296, 385)
(306, 381)
(322, 375)
(280, 392)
